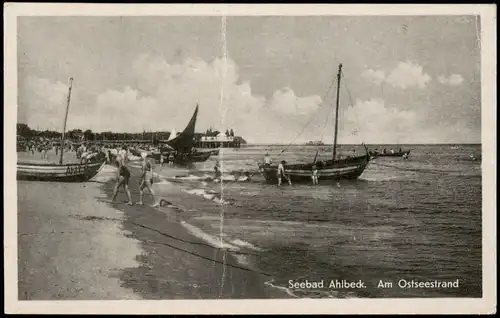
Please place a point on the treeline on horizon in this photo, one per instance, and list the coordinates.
(25, 131)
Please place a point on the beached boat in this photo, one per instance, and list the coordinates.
(214, 152)
(183, 142)
(75, 172)
(183, 145)
(334, 169)
(59, 173)
(183, 158)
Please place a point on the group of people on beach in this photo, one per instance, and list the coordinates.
(168, 158)
(123, 178)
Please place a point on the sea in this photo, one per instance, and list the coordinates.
(401, 223)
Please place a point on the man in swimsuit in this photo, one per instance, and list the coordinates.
(315, 175)
(123, 175)
(281, 173)
(147, 180)
(267, 160)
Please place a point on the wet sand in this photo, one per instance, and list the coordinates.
(177, 265)
(73, 244)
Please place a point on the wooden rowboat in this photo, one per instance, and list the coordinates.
(58, 173)
(350, 168)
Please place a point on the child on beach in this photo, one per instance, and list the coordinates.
(147, 180)
(171, 159)
(123, 176)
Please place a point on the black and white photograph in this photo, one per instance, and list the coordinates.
(336, 154)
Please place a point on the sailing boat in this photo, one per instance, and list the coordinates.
(334, 169)
(173, 134)
(77, 172)
(183, 144)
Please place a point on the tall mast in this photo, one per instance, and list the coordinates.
(337, 114)
(65, 120)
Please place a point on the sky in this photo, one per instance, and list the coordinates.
(406, 79)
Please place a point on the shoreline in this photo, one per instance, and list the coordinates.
(95, 250)
(194, 270)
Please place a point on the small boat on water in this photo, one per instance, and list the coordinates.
(73, 172)
(333, 169)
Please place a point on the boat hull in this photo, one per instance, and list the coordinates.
(350, 168)
(181, 159)
(58, 173)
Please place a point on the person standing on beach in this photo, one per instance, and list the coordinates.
(44, 151)
(267, 160)
(171, 159)
(147, 180)
(315, 175)
(123, 176)
(162, 159)
(217, 172)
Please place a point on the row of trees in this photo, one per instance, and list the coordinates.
(25, 131)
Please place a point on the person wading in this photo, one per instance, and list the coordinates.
(281, 173)
(123, 176)
(314, 175)
(146, 180)
(267, 160)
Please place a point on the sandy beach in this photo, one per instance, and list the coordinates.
(73, 244)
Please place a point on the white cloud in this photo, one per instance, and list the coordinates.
(405, 75)
(452, 80)
(162, 96)
(378, 77)
(378, 123)
(286, 102)
(44, 101)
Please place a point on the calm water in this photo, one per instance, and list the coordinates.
(418, 219)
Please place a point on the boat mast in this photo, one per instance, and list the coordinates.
(65, 120)
(337, 114)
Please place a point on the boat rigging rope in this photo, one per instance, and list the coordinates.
(352, 104)
(309, 121)
(322, 135)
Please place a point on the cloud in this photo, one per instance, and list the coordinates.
(376, 122)
(378, 77)
(162, 96)
(286, 102)
(452, 80)
(44, 101)
(405, 75)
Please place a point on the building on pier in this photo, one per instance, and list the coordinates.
(202, 141)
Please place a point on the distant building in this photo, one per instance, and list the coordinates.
(217, 140)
